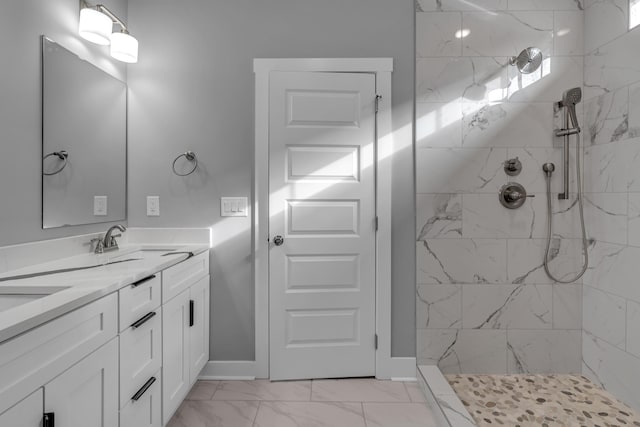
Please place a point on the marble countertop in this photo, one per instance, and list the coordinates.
(61, 293)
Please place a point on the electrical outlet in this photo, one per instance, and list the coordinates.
(100, 205)
(234, 206)
(153, 205)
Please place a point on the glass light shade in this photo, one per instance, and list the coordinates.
(95, 26)
(124, 47)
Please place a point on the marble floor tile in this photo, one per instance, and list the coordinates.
(398, 415)
(203, 390)
(359, 390)
(264, 390)
(415, 393)
(309, 414)
(215, 414)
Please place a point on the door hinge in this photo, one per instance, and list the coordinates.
(376, 223)
(375, 339)
(378, 98)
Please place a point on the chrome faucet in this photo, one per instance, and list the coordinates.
(108, 242)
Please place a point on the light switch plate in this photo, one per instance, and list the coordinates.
(100, 205)
(153, 205)
(234, 206)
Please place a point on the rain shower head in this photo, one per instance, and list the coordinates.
(528, 61)
(569, 100)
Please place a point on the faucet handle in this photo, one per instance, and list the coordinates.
(99, 245)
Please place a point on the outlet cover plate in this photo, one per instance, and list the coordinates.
(153, 205)
(100, 205)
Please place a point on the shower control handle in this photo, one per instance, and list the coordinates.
(513, 195)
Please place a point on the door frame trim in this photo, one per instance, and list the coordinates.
(382, 68)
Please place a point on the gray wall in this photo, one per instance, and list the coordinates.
(193, 89)
(20, 107)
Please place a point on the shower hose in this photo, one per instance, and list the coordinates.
(585, 244)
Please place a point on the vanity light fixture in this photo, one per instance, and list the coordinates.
(96, 26)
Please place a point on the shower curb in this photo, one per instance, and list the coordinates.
(448, 409)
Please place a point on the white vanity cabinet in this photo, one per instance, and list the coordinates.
(68, 366)
(185, 324)
(127, 359)
(85, 395)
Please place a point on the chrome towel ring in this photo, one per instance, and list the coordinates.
(190, 156)
(62, 155)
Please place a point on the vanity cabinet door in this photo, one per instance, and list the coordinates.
(86, 395)
(27, 413)
(175, 353)
(199, 328)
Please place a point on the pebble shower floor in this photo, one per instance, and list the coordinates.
(540, 400)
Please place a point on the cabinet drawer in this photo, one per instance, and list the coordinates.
(146, 411)
(138, 299)
(36, 357)
(179, 277)
(140, 354)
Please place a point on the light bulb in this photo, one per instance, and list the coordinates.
(124, 47)
(95, 26)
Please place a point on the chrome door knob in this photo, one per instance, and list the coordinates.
(278, 240)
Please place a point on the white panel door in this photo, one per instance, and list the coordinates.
(322, 204)
(86, 395)
(27, 413)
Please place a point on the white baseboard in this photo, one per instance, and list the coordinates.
(403, 369)
(228, 370)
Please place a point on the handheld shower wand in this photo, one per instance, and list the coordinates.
(569, 100)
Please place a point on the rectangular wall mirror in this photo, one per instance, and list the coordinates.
(84, 141)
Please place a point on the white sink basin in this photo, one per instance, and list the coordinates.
(141, 254)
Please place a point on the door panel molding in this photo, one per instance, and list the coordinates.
(382, 68)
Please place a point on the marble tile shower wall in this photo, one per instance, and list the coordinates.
(611, 341)
(484, 303)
